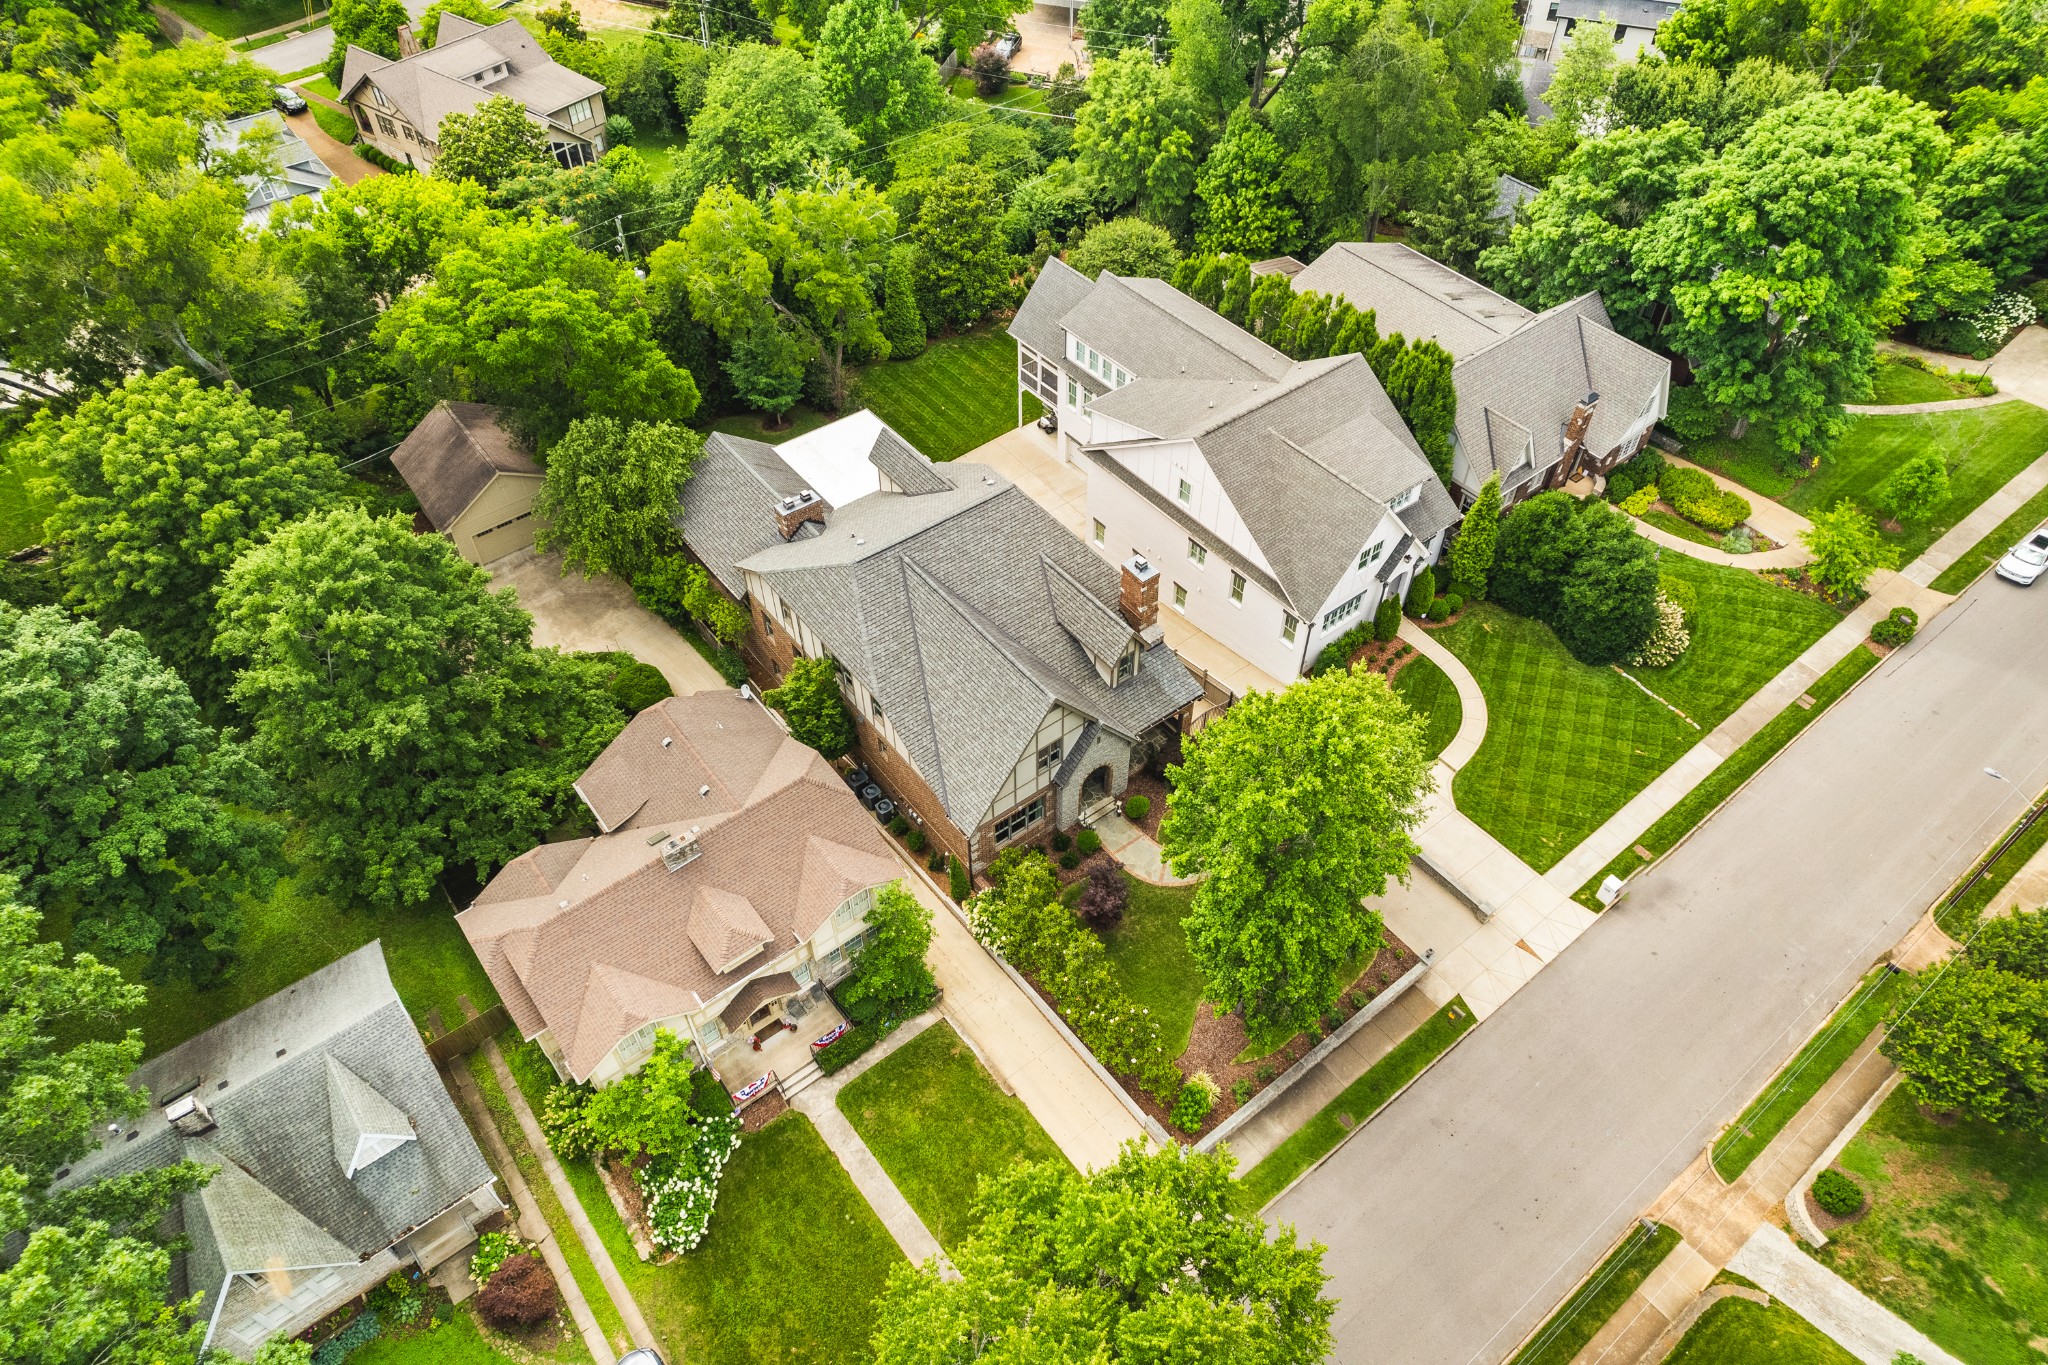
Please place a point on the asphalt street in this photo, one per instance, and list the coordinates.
(1457, 1220)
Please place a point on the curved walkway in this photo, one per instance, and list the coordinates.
(1472, 727)
(1939, 405)
(1784, 557)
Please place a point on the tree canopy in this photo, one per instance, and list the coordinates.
(765, 121)
(874, 75)
(494, 143)
(612, 492)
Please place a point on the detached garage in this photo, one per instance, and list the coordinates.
(475, 482)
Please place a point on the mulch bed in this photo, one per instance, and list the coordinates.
(1828, 1222)
(1388, 657)
(763, 1112)
(1797, 581)
(1153, 788)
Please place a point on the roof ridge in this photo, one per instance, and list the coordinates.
(1340, 477)
(937, 778)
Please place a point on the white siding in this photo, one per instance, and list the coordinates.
(1363, 584)
(1164, 465)
(1060, 726)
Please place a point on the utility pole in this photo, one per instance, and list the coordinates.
(619, 225)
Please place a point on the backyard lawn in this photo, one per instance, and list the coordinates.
(938, 1125)
(1149, 953)
(1896, 383)
(657, 149)
(754, 426)
(1956, 1239)
(961, 393)
(1738, 1331)
(239, 19)
(1984, 448)
(1431, 693)
(1567, 745)
(460, 1341)
(21, 513)
(792, 1266)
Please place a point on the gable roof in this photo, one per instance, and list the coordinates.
(1058, 289)
(454, 454)
(595, 938)
(1152, 329)
(1509, 195)
(299, 171)
(444, 79)
(1411, 294)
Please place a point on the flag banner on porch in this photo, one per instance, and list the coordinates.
(752, 1088)
(829, 1038)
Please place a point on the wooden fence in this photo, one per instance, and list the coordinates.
(469, 1037)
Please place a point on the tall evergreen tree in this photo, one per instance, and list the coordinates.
(1472, 551)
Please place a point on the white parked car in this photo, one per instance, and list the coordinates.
(2028, 560)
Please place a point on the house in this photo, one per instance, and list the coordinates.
(1543, 398)
(1282, 501)
(1509, 195)
(340, 1158)
(473, 478)
(1002, 680)
(399, 104)
(299, 172)
(728, 883)
(1635, 25)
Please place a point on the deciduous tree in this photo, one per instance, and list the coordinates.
(1137, 136)
(1126, 247)
(1240, 205)
(1976, 1040)
(368, 24)
(809, 700)
(476, 11)
(492, 144)
(1993, 200)
(1294, 807)
(765, 121)
(1578, 93)
(612, 492)
(1581, 569)
(874, 74)
(1846, 548)
(1914, 489)
(892, 973)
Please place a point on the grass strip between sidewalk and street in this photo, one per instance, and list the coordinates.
(1581, 1316)
(1803, 1076)
(1735, 770)
(1988, 551)
(1956, 917)
(1357, 1102)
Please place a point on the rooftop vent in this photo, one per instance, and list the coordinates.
(667, 740)
(704, 790)
(188, 1116)
(793, 511)
(676, 852)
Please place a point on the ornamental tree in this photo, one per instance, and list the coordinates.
(874, 74)
(611, 493)
(161, 483)
(1146, 1260)
(119, 801)
(765, 121)
(959, 240)
(1472, 552)
(495, 143)
(1846, 549)
(1127, 247)
(648, 1111)
(1915, 488)
(809, 700)
(1976, 1039)
(1294, 807)
(892, 974)
(1240, 205)
(399, 702)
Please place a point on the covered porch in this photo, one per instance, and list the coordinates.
(760, 1040)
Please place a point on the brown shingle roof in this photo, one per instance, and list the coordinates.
(594, 938)
(452, 456)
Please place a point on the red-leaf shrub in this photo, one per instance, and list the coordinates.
(520, 1294)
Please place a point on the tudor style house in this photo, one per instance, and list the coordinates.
(1002, 679)
(399, 104)
(1543, 398)
(728, 884)
(340, 1160)
(1280, 501)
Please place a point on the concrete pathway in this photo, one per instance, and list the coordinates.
(1935, 405)
(2028, 887)
(1471, 701)
(2021, 369)
(593, 1245)
(1982, 521)
(1784, 557)
(1774, 519)
(1867, 1330)
(578, 614)
(1138, 851)
(348, 168)
(819, 1101)
(533, 1224)
(1025, 1054)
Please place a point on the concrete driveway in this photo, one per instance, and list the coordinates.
(1458, 1219)
(592, 615)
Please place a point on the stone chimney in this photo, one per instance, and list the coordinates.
(793, 512)
(1581, 418)
(188, 1115)
(408, 42)
(1138, 596)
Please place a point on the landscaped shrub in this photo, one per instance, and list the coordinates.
(957, 880)
(1421, 592)
(1897, 628)
(1337, 653)
(399, 1299)
(731, 665)
(1640, 501)
(848, 1046)
(520, 1294)
(810, 701)
(618, 130)
(914, 840)
(361, 1330)
(1837, 1193)
(899, 826)
(937, 862)
(1634, 474)
(1197, 1097)
(1241, 1089)
(1668, 640)
(1451, 603)
(1137, 807)
(1386, 622)
(1681, 592)
(1060, 842)
(1915, 488)
(680, 1191)
(637, 686)
(1089, 842)
(1738, 541)
(1070, 860)
(1692, 417)
(1701, 501)
(892, 977)
(1105, 898)
(492, 1249)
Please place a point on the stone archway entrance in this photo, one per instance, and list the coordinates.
(1095, 786)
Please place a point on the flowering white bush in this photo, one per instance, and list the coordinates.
(2000, 316)
(1669, 639)
(680, 1191)
(493, 1249)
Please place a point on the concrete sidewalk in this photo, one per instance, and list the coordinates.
(1964, 535)
(1471, 701)
(1784, 557)
(1866, 1329)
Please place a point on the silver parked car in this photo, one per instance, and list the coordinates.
(640, 1356)
(2028, 560)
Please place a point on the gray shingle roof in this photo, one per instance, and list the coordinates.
(1057, 290)
(428, 86)
(1154, 330)
(728, 505)
(1509, 195)
(1411, 294)
(1099, 627)
(452, 456)
(902, 466)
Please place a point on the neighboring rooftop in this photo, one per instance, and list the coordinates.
(1624, 13)
(468, 64)
(1509, 195)
(1411, 294)
(299, 172)
(452, 456)
(1152, 329)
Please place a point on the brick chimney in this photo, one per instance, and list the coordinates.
(408, 42)
(1138, 596)
(1581, 418)
(793, 512)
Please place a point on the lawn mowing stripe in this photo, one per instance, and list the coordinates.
(1581, 1316)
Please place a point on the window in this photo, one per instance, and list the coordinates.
(1126, 667)
(1371, 553)
(363, 117)
(1406, 499)
(1342, 610)
(579, 112)
(1180, 597)
(1121, 378)
(378, 95)
(1287, 625)
(783, 607)
(875, 707)
(802, 973)
(1237, 587)
(1020, 819)
(1197, 551)
(1187, 490)
(385, 126)
(1100, 530)
(1048, 759)
(637, 1044)
(767, 626)
(1073, 393)
(406, 128)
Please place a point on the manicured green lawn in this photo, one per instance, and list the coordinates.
(1759, 749)
(1430, 691)
(236, 20)
(1984, 448)
(1014, 97)
(792, 1266)
(754, 426)
(939, 1126)
(961, 393)
(334, 123)
(1803, 1076)
(320, 85)
(1581, 1317)
(1896, 383)
(1680, 527)
(1992, 548)
(1740, 1332)
(1149, 952)
(460, 1341)
(657, 149)
(1955, 919)
(1956, 1239)
(21, 512)
(1567, 744)
(1357, 1102)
